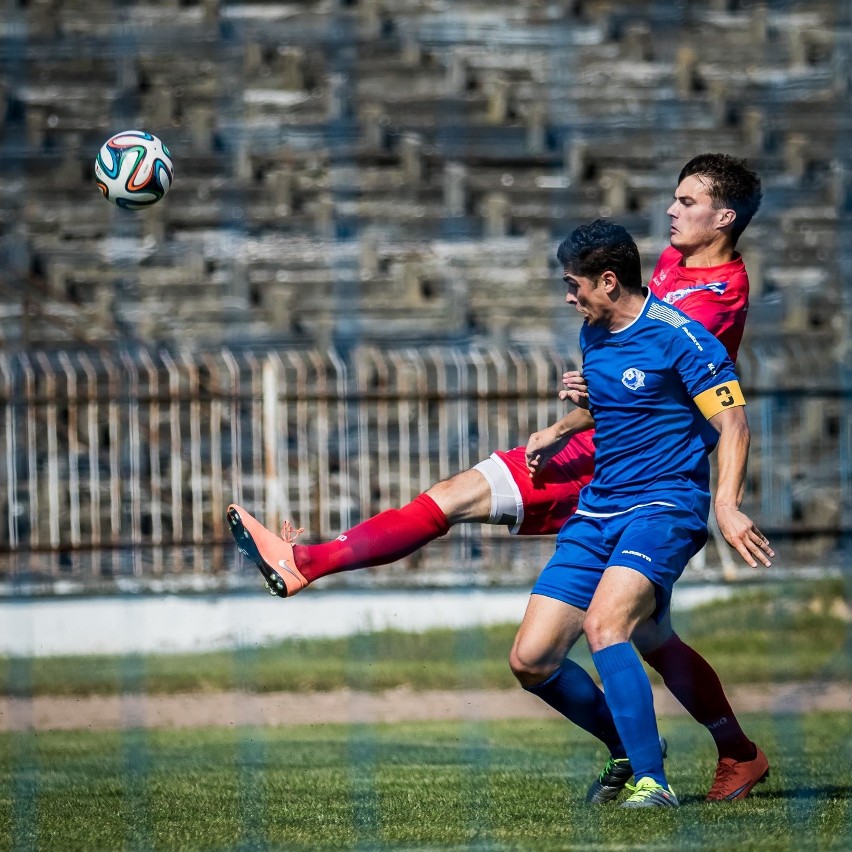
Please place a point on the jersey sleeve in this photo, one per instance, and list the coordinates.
(706, 370)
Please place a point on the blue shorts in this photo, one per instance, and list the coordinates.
(656, 541)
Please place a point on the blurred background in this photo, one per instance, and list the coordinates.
(351, 290)
(349, 293)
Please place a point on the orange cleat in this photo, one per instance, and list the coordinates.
(272, 554)
(736, 778)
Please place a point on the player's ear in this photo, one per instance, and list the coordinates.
(726, 217)
(609, 280)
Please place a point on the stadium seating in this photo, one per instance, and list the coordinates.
(363, 173)
(310, 125)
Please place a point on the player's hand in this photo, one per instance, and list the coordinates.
(742, 534)
(542, 446)
(576, 390)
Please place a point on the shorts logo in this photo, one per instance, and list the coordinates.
(633, 378)
(637, 553)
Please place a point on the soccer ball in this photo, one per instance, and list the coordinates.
(134, 169)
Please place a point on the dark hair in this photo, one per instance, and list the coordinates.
(592, 249)
(731, 183)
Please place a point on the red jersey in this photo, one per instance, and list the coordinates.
(716, 296)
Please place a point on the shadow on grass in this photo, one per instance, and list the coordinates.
(792, 794)
(799, 793)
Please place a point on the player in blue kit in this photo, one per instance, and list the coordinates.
(663, 393)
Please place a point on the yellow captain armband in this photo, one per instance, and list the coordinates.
(717, 399)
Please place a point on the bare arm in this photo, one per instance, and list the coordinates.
(732, 454)
(543, 445)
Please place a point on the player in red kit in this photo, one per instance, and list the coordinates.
(534, 489)
(717, 296)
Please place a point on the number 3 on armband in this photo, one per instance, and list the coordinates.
(726, 398)
(717, 399)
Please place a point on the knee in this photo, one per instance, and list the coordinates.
(449, 496)
(602, 631)
(463, 498)
(446, 490)
(529, 670)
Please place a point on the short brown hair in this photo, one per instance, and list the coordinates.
(731, 184)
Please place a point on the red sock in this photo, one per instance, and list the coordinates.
(694, 682)
(383, 538)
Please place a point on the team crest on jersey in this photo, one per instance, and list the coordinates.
(717, 287)
(633, 378)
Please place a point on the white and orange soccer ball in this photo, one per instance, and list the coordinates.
(134, 169)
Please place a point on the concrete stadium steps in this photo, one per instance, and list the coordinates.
(475, 122)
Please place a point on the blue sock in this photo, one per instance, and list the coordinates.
(571, 691)
(628, 694)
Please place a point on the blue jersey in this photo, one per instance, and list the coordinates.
(652, 441)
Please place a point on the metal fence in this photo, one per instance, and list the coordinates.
(122, 464)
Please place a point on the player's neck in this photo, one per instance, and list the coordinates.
(627, 308)
(714, 254)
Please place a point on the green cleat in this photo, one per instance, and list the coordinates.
(614, 778)
(610, 782)
(647, 793)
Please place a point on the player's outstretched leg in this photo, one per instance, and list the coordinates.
(288, 567)
(379, 540)
(272, 554)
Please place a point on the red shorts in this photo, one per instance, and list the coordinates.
(551, 497)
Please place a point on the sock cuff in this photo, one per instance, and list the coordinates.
(538, 687)
(434, 510)
(615, 658)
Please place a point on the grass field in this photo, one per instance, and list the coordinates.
(449, 785)
(515, 785)
(770, 635)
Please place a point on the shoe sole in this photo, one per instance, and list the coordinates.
(656, 803)
(245, 544)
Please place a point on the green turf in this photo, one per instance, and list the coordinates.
(769, 635)
(507, 785)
